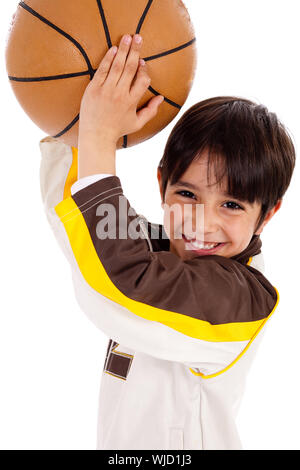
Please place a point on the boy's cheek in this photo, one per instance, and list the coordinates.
(173, 223)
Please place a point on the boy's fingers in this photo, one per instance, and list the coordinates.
(141, 82)
(132, 62)
(147, 113)
(104, 66)
(120, 60)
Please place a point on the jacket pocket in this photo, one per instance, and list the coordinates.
(176, 439)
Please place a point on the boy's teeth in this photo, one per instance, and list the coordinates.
(201, 245)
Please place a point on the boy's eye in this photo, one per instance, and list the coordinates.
(233, 205)
(187, 193)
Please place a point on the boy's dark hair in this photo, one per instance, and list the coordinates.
(258, 151)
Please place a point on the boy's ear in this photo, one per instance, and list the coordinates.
(268, 217)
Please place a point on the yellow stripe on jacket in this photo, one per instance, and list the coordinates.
(95, 275)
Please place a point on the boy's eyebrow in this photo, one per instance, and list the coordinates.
(184, 183)
(193, 186)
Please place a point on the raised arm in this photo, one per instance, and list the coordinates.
(108, 108)
(204, 312)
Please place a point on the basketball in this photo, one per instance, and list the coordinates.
(54, 48)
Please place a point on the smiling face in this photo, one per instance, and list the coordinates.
(219, 218)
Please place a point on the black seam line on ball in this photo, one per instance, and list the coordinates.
(172, 103)
(124, 142)
(167, 100)
(170, 51)
(141, 21)
(137, 31)
(87, 72)
(63, 33)
(66, 129)
(109, 44)
(51, 77)
(105, 26)
(78, 74)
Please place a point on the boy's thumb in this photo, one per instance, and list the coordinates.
(147, 113)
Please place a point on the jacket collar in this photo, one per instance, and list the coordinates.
(251, 250)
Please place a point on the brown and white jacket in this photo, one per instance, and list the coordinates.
(182, 334)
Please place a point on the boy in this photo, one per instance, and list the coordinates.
(183, 303)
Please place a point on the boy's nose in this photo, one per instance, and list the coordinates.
(208, 224)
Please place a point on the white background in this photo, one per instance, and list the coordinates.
(51, 356)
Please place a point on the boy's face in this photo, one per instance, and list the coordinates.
(221, 219)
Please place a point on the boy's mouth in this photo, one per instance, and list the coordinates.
(200, 247)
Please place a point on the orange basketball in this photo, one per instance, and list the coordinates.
(54, 48)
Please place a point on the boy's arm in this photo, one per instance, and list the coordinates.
(85, 181)
(205, 311)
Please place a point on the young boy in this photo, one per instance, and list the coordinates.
(184, 303)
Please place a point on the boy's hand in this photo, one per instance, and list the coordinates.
(108, 106)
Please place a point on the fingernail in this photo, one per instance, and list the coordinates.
(138, 38)
(142, 62)
(127, 39)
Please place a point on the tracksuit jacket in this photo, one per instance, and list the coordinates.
(181, 334)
